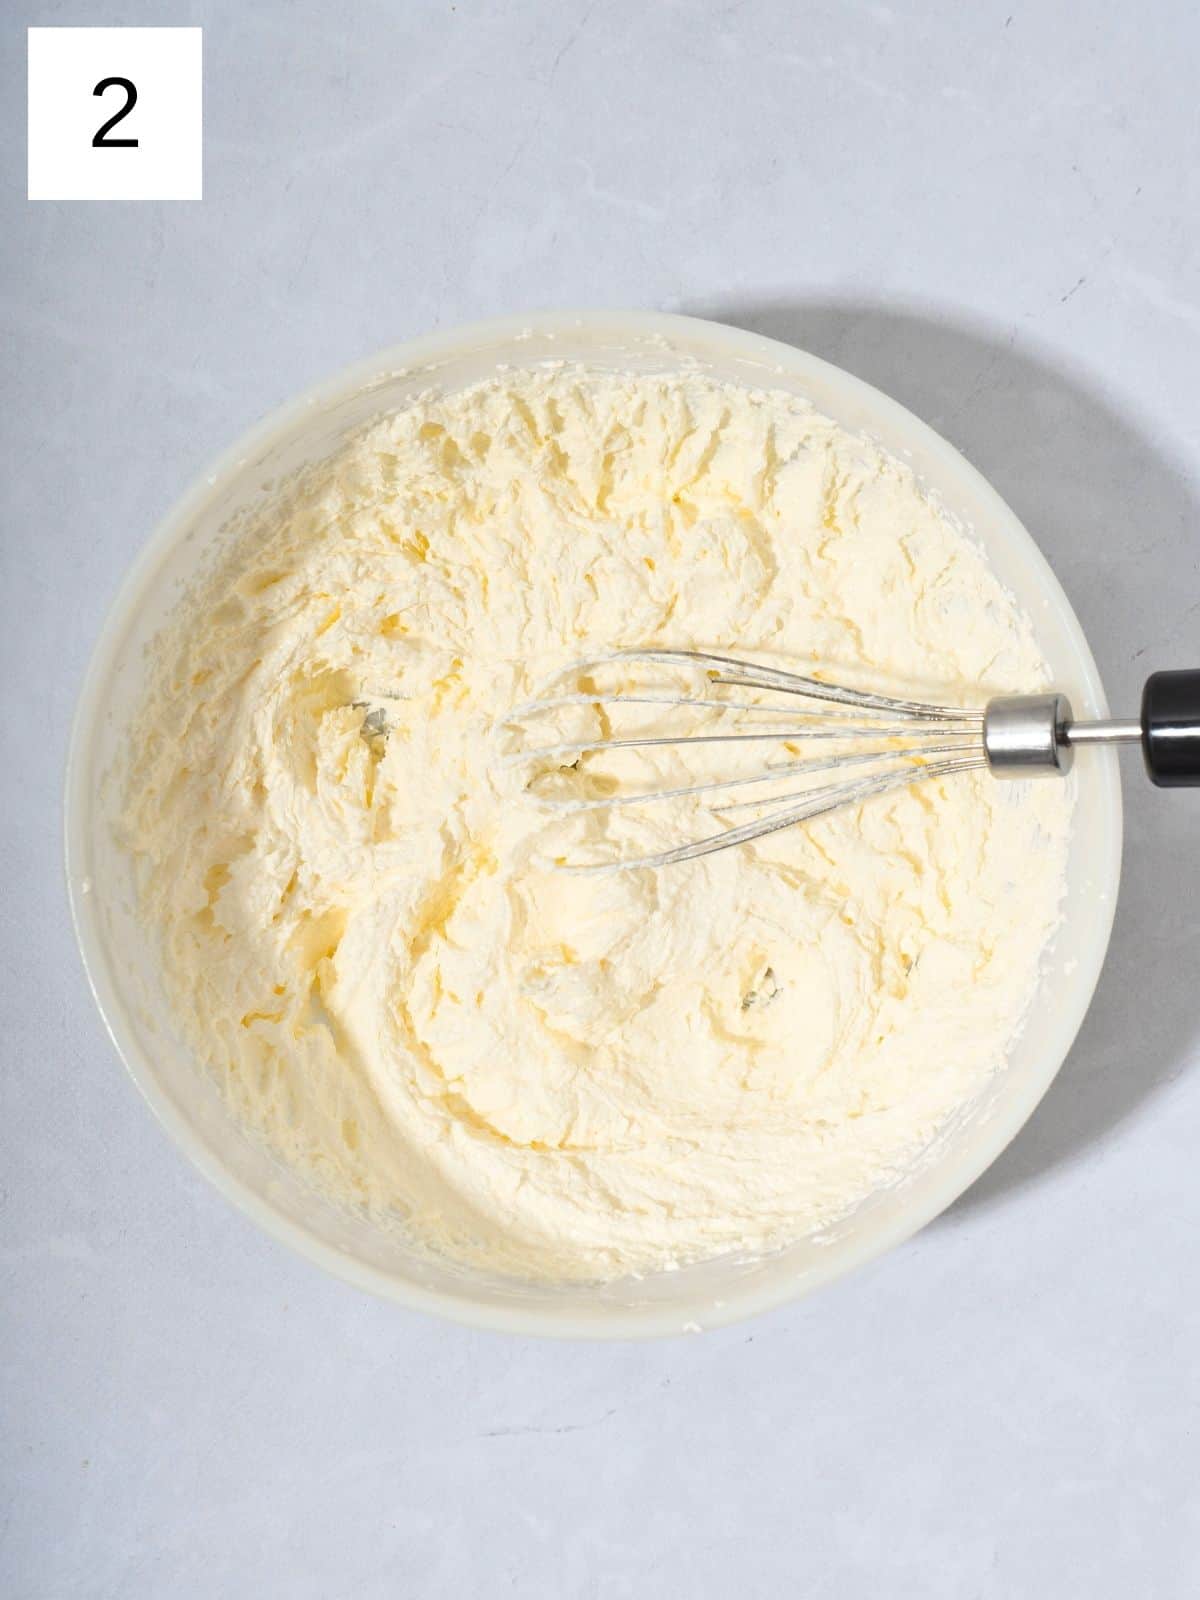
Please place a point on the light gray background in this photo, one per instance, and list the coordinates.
(990, 210)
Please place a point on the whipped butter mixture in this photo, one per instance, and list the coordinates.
(569, 1076)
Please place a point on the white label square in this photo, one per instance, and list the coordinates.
(92, 88)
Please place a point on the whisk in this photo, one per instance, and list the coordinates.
(849, 744)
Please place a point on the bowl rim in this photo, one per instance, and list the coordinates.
(650, 1320)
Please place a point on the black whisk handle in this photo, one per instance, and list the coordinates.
(1171, 728)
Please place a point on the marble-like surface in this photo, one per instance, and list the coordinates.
(990, 211)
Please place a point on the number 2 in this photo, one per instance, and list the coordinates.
(99, 141)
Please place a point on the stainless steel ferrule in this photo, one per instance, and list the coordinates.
(1027, 735)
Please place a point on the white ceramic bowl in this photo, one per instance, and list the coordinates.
(120, 960)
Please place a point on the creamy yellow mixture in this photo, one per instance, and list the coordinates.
(573, 1076)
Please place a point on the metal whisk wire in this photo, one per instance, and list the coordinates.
(911, 741)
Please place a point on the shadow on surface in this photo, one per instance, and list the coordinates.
(1119, 523)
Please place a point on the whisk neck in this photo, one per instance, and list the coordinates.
(1034, 735)
(1026, 735)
